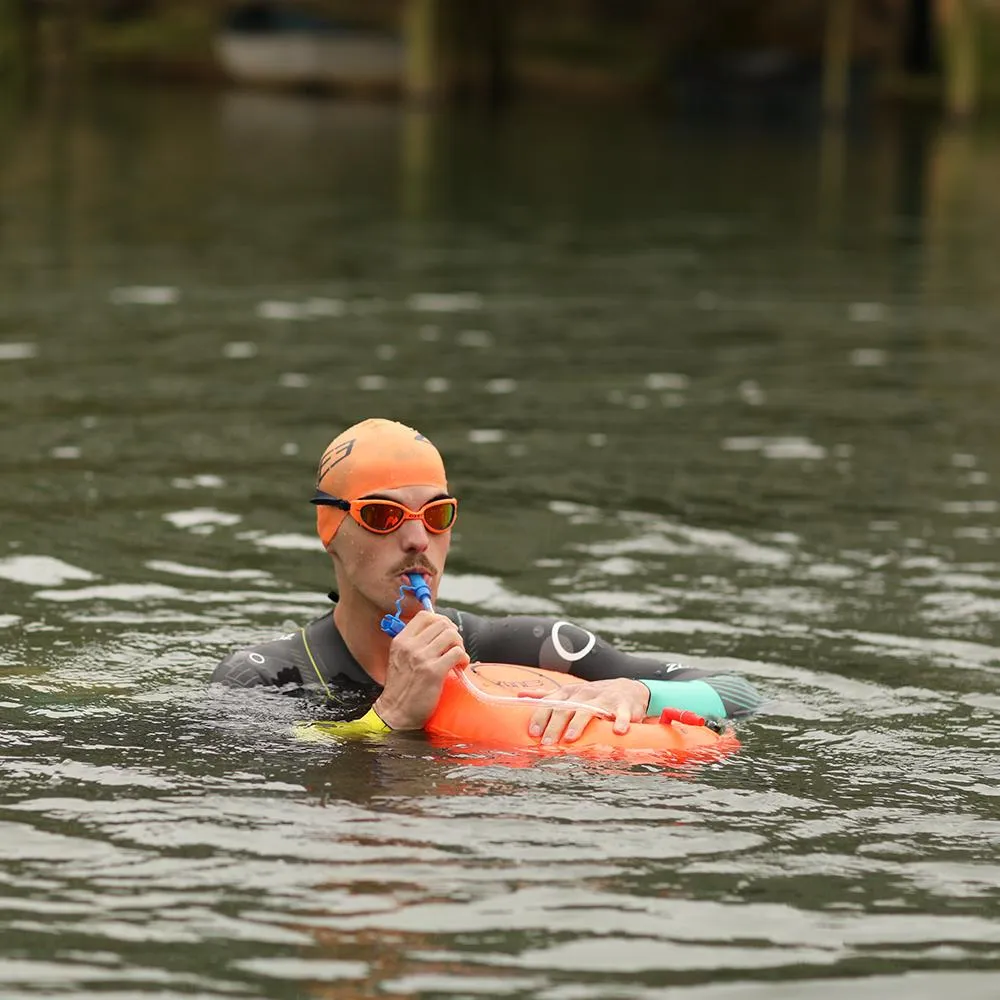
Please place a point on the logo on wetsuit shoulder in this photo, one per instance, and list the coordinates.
(566, 643)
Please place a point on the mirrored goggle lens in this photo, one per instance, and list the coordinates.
(440, 516)
(382, 516)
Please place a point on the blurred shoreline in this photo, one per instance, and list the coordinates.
(484, 50)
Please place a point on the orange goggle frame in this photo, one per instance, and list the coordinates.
(384, 516)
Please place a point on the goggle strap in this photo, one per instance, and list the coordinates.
(326, 500)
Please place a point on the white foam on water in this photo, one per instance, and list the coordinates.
(868, 357)
(205, 481)
(290, 449)
(145, 295)
(372, 383)
(200, 517)
(437, 385)
(290, 541)
(867, 312)
(18, 351)
(115, 592)
(66, 452)
(240, 350)
(136, 593)
(201, 572)
(318, 306)
(385, 352)
(751, 393)
(954, 652)
(955, 606)
(501, 386)
(980, 534)
(445, 302)
(667, 380)
(830, 571)
(488, 593)
(313, 970)
(794, 448)
(781, 448)
(676, 626)
(7, 620)
(653, 537)
(293, 380)
(282, 311)
(41, 571)
(486, 436)
(971, 507)
(475, 338)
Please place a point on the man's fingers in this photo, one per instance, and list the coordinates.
(454, 657)
(539, 719)
(623, 718)
(426, 624)
(421, 621)
(443, 641)
(556, 726)
(577, 725)
(541, 716)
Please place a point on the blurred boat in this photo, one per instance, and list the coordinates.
(278, 45)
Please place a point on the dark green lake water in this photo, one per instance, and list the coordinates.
(725, 392)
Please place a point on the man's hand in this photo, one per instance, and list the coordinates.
(622, 697)
(419, 660)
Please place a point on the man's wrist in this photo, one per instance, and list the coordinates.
(386, 717)
(649, 695)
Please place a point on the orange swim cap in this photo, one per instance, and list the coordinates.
(371, 457)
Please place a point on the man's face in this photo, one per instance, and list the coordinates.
(374, 567)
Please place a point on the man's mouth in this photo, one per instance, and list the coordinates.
(422, 570)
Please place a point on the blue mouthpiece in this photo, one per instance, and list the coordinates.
(392, 624)
(421, 591)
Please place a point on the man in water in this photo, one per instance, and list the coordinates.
(383, 511)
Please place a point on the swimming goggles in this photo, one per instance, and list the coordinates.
(385, 516)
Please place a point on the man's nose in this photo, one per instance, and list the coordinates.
(413, 535)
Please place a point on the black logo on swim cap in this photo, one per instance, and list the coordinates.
(326, 465)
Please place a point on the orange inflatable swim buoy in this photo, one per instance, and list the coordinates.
(481, 706)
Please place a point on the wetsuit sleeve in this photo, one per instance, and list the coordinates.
(563, 646)
(275, 664)
(370, 724)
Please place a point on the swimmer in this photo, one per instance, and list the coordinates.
(384, 510)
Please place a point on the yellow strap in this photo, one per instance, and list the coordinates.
(312, 660)
(370, 724)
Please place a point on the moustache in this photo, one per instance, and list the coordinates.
(415, 566)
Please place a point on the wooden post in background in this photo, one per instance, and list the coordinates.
(422, 33)
(957, 21)
(19, 44)
(837, 58)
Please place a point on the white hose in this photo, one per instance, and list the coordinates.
(558, 703)
(506, 699)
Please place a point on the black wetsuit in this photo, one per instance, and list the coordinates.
(316, 661)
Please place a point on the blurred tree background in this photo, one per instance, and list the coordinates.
(670, 51)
